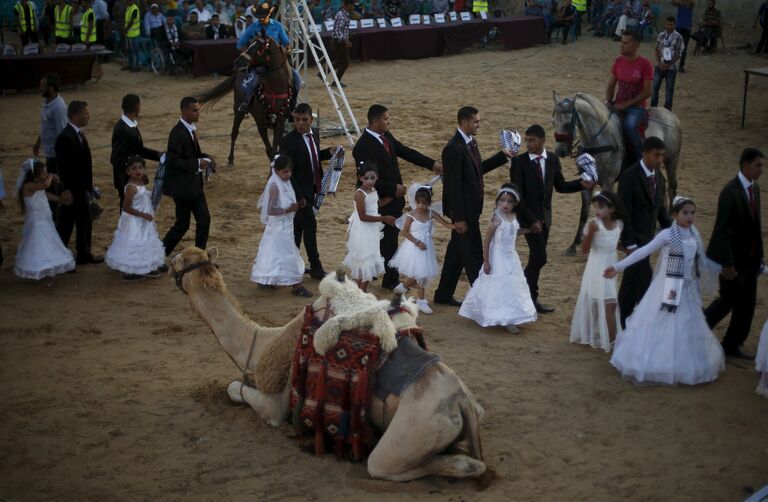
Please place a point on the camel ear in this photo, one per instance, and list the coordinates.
(213, 254)
(340, 275)
(555, 96)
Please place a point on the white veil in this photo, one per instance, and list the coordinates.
(286, 196)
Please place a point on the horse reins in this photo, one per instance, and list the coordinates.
(568, 137)
(179, 275)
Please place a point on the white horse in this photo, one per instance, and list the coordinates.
(599, 133)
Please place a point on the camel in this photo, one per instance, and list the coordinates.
(432, 428)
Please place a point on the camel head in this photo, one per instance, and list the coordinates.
(194, 267)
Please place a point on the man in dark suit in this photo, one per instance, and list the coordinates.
(463, 202)
(537, 173)
(642, 190)
(127, 142)
(378, 145)
(185, 165)
(302, 145)
(737, 245)
(216, 30)
(73, 156)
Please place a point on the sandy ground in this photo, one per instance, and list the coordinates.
(117, 391)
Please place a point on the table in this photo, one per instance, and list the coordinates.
(407, 42)
(760, 72)
(25, 72)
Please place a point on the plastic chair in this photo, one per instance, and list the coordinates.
(79, 47)
(31, 48)
(9, 51)
(60, 48)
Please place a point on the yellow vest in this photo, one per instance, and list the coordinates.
(23, 17)
(480, 6)
(135, 30)
(580, 5)
(62, 15)
(84, 21)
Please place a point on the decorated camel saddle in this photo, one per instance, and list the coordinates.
(340, 361)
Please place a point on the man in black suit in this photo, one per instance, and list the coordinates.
(302, 145)
(73, 156)
(463, 203)
(737, 245)
(378, 145)
(537, 173)
(185, 165)
(642, 190)
(127, 142)
(216, 30)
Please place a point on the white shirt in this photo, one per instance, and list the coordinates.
(648, 172)
(375, 135)
(100, 10)
(745, 184)
(542, 165)
(224, 17)
(129, 122)
(191, 128)
(77, 129)
(203, 16)
(467, 137)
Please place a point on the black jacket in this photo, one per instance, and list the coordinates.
(737, 231)
(303, 177)
(126, 141)
(643, 212)
(74, 162)
(223, 31)
(462, 192)
(370, 148)
(537, 199)
(183, 178)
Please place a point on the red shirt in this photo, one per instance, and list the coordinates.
(630, 76)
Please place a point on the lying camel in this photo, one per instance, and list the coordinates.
(432, 428)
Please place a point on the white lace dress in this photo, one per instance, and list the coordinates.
(363, 255)
(413, 262)
(41, 252)
(278, 261)
(761, 362)
(589, 325)
(501, 298)
(662, 347)
(136, 248)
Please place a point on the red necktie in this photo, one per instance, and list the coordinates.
(386, 144)
(752, 207)
(83, 141)
(197, 144)
(315, 163)
(474, 151)
(539, 174)
(652, 184)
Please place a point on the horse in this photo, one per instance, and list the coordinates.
(271, 98)
(600, 134)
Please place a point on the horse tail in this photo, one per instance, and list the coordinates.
(212, 96)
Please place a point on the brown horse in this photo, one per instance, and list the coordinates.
(271, 98)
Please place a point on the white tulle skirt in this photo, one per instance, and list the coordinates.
(364, 258)
(278, 261)
(589, 325)
(41, 252)
(761, 362)
(661, 347)
(419, 264)
(136, 247)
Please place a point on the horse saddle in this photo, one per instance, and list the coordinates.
(403, 366)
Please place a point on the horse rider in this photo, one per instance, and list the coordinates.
(632, 74)
(266, 27)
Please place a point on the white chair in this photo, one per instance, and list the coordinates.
(79, 47)
(96, 48)
(31, 48)
(62, 48)
(9, 51)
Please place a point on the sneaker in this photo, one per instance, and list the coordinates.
(400, 289)
(132, 277)
(511, 328)
(423, 306)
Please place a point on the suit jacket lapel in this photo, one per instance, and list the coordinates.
(549, 174)
(646, 185)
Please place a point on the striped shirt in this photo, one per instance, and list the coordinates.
(672, 41)
(341, 26)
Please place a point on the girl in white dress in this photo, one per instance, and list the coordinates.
(416, 258)
(40, 253)
(136, 249)
(500, 295)
(761, 362)
(667, 340)
(278, 261)
(364, 232)
(596, 316)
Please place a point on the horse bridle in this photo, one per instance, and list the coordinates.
(568, 137)
(178, 276)
(261, 50)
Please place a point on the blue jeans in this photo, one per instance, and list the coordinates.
(134, 48)
(633, 117)
(658, 76)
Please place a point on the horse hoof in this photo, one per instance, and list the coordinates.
(570, 251)
(230, 161)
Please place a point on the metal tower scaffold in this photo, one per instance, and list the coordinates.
(306, 42)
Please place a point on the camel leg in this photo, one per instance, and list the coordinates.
(239, 116)
(271, 407)
(586, 198)
(423, 428)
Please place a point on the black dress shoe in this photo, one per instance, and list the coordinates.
(453, 302)
(543, 309)
(318, 274)
(738, 354)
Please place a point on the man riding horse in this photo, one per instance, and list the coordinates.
(264, 27)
